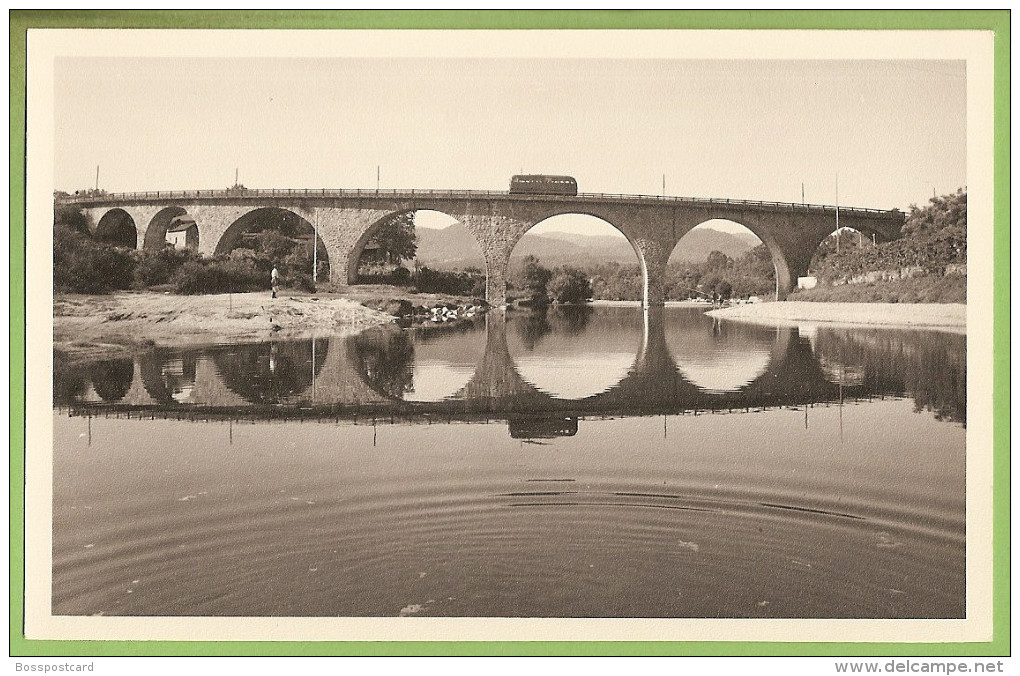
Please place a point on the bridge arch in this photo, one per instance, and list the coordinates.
(117, 227)
(285, 221)
(161, 224)
(784, 275)
(717, 252)
(434, 215)
(591, 222)
(836, 243)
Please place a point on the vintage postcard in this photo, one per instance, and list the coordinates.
(494, 335)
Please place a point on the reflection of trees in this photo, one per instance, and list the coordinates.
(270, 373)
(532, 327)
(385, 361)
(571, 320)
(945, 395)
(166, 374)
(112, 379)
(929, 366)
(70, 381)
(426, 334)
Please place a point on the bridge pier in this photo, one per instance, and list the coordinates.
(654, 257)
(345, 232)
(496, 235)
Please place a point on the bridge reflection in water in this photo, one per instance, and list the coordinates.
(540, 372)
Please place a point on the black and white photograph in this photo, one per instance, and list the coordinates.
(507, 335)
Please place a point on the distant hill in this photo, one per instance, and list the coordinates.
(454, 247)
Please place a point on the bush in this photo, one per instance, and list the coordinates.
(81, 265)
(220, 275)
(298, 280)
(463, 283)
(926, 289)
(372, 273)
(156, 267)
(569, 285)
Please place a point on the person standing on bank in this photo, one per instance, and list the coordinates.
(275, 280)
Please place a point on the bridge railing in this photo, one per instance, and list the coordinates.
(349, 193)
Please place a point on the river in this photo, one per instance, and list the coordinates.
(581, 462)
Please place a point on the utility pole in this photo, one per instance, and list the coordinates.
(664, 185)
(315, 255)
(802, 200)
(237, 171)
(837, 213)
(377, 178)
(97, 178)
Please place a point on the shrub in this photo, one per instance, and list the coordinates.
(569, 285)
(81, 265)
(925, 289)
(158, 267)
(298, 280)
(220, 275)
(382, 273)
(463, 283)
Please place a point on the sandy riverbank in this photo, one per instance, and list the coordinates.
(944, 317)
(122, 322)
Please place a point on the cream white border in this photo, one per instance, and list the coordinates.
(44, 46)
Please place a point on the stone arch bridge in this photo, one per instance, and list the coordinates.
(346, 219)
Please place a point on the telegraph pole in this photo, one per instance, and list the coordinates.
(315, 254)
(837, 212)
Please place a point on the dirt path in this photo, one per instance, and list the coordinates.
(90, 325)
(945, 317)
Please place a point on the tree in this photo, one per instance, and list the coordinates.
(69, 215)
(942, 213)
(395, 240)
(535, 275)
(569, 285)
(717, 260)
(723, 290)
(274, 245)
(81, 265)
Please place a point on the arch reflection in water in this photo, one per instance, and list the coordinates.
(108, 380)
(424, 364)
(631, 363)
(571, 352)
(716, 356)
(271, 373)
(169, 376)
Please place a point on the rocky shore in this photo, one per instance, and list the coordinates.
(123, 322)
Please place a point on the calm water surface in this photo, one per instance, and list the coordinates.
(602, 462)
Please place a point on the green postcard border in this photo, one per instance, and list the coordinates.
(995, 21)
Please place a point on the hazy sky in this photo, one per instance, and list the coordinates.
(892, 130)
